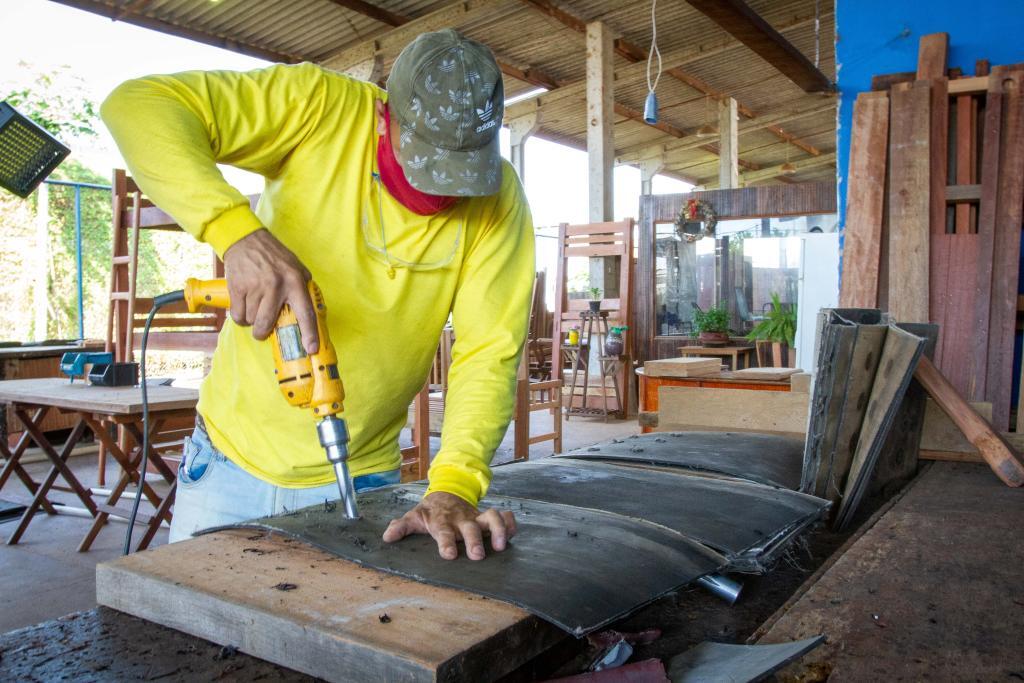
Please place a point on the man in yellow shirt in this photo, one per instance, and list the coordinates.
(399, 205)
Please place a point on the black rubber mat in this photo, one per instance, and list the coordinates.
(763, 458)
(577, 568)
(748, 523)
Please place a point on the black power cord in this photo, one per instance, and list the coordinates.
(158, 303)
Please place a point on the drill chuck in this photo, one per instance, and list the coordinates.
(334, 438)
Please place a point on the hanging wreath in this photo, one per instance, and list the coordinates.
(696, 219)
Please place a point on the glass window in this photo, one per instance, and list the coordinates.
(749, 260)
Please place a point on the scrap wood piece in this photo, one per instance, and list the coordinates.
(865, 198)
(711, 661)
(999, 455)
(579, 569)
(1006, 255)
(771, 459)
(900, 355)
(702, 508)
(329, 626)
(688, 366)
(769, 374)
(909, 201)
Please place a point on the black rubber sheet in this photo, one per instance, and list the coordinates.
(763, 458)
(579, 569)
(748, 523)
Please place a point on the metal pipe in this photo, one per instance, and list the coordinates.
(722, 586)
(78, 261)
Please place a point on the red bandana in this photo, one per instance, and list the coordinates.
(394, 180)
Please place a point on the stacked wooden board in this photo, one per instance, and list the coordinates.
(940, 240)
(690, 366)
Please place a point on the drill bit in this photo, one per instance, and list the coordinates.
(334, 438)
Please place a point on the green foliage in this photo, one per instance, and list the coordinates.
(595, 293)
(714, 319)
(779, 325)
(56, 100)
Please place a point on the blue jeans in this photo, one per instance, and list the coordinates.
(213, 491)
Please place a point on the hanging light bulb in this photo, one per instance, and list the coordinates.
(707, 130)
(651, 103)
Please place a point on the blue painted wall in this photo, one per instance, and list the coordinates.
(881, 36)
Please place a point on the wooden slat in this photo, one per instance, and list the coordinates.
(969, 85)
(909, 202)
(959, 194)
(966, 167)
(595, 229)
(1006, 257)
(991, 136)
(595, 250)
(865, 200)
(931, 56)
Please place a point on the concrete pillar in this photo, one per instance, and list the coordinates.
(728, 144)
(520, 129)
(600, 120)
(648, 169)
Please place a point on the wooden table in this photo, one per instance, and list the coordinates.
(649, 389)
(736, 353)
(32, 400)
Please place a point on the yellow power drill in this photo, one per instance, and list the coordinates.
(307, 381)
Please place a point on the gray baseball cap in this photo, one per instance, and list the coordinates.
(447, 95)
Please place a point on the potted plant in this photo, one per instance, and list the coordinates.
(777, 330)
(595, 299)
(712, 325)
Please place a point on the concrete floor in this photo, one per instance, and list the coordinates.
(44, 577)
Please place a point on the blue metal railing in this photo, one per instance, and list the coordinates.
(78, 241)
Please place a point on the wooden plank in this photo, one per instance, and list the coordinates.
(226, 587)
(695, 366)
(977, 374)
(864, 201)
(59, 393)
(1006, 254)
(999, 455)
(909, 202)
(965, 162)
(743, 410)
(931, 56)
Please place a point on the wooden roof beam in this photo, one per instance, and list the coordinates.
(118, 14)
(758, 175)
(753, 31)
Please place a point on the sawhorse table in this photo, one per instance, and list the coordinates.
(32, 399)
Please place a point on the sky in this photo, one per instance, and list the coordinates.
(104, 53)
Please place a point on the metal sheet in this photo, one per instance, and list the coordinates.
(748, 523)
(763, 458)
(579, 569)
(736, 663)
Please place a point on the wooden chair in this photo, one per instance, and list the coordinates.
(535, 395)
(609, 240)
(173, 329)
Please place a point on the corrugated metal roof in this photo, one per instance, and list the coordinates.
(526, 38)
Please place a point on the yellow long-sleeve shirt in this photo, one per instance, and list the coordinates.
(311, 133)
